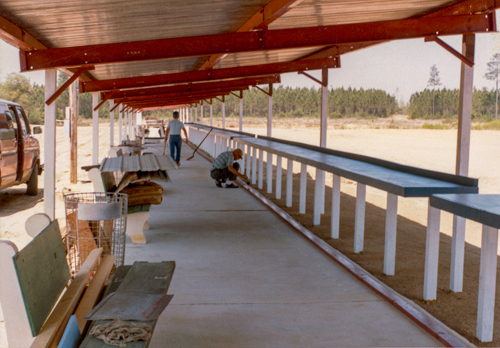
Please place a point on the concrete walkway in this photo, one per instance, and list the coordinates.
(245, 278)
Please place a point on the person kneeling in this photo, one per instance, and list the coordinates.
(225, 169)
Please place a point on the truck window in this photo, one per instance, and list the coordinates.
(24, 123)
(13, 115)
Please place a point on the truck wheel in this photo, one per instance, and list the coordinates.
(33, 182)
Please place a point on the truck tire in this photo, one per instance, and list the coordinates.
(33, 182)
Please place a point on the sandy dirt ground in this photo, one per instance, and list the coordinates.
(430, 149)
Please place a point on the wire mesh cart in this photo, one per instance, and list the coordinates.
(95, 220)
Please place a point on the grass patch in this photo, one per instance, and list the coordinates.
(492, 125)
(434, 126)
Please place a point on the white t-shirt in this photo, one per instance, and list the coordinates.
(175, 127)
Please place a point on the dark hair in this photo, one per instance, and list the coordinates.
(176, 113)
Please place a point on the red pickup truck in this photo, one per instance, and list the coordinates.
(19, 150)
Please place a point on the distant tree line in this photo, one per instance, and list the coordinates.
(305, 102)
(446, 104)
(17, 88)
(287, 102)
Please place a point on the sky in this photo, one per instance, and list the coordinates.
(401, 67)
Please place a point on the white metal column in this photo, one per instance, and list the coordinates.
(303, 187)
(223, 115)
(95, 129)
(201, 114)
(335, 223)
(254, 165)
(241, 114)
(391, 222)
(111, 124)
(359, 219)
(431, 253)
(289, 182)
(269, 172)
(462, 161)
(120, 126)
(270, 111)
(49, 182)
(279, 170)
(211, 116)
(487, 282)
(261, 169)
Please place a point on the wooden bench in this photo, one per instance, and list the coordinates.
(33, 279)
(482, 208)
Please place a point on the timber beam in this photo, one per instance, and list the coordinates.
(256, 41)
(209, 75)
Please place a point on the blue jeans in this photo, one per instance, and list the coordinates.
(175, 143)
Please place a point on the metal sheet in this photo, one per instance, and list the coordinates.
(136, 163)
(125, 306)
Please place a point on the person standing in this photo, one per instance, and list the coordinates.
(174, 130)
(224, 168)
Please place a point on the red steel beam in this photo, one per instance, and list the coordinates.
(268, 14)
(257, 41)
(195, 87)
(67, 84)
(208, 75)
(194, 94)
(187, 99)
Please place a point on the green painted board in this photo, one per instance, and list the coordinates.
(43, 272)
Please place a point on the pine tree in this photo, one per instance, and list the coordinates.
(492, 73)
(434, 81)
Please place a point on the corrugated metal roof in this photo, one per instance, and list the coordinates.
(70, 23)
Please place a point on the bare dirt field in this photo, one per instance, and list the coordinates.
(395, 139)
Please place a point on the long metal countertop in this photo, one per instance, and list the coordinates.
(401, 180)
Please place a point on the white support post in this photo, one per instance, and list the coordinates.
(270, 112)
(324, 108)
(269, 172)
(457, 254)
(320, 175)
(317, 198)
(120, 127)
(248, 160)
(261, 169)
(49, 199)
(201, 114)
(359, 219)
(391, 222)
(241, 115)
(211, 116)
(487, 282)
(431, 253)
(95, 128)
(223, 115)
(303, 187)
(196, 113)
(111, 124)
(243, 158)
(289, 182)
(254, 165)
(462, 159)
(335, 223)
(278, 177)
(130, 126)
